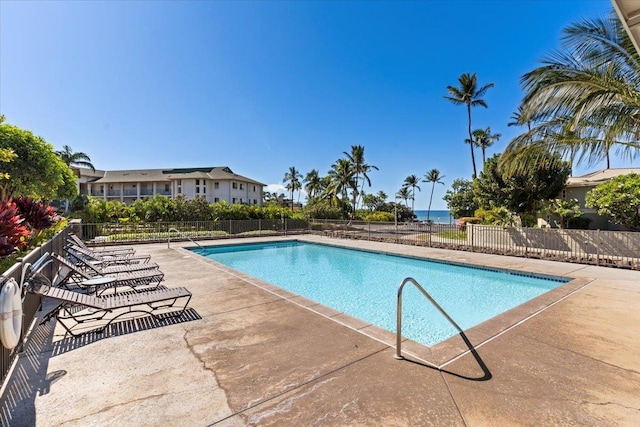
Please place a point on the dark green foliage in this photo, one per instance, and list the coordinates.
(459, 198)
(520, 192)
(36, 171)
(619, 199)
(164, 209)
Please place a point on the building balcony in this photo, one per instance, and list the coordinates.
(113, 193)
(130, 192)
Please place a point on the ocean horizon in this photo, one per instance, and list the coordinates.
(437, 216)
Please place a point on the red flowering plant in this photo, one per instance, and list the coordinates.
(13, 231)
(37, 216)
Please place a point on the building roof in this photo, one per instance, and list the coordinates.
(598, 177)
(167, 175)
(629, 13)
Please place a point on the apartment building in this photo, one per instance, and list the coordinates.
(213, 183)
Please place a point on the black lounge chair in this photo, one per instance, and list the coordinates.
(71, 277)
(76, 308)
(111, 259)
(111, 250)
(100, 267)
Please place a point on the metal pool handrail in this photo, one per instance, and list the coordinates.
(183, 235)
(398, 354)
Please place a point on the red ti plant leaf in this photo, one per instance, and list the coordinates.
(13, 231)
(37, 216)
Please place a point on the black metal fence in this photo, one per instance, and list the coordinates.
(32, 302)
(596, 247)
(107, 233)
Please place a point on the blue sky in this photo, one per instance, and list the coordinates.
(262, 86)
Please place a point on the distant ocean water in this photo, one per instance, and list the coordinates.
(439, 217)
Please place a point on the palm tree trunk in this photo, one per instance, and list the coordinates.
(473, 157)
(483, 158)
(413, 197)
(291, 200)
(430, 199)
(608, 161)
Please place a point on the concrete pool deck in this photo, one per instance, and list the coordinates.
(251, 355)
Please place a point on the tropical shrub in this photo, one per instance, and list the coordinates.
(461, 223)
(321, 209)
(37, 216)
(380, 217)
(497, 216)
(619, 199)
(565, 209)
(13, 231)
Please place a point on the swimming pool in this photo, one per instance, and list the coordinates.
(364, 284)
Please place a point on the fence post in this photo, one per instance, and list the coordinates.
(598, 242)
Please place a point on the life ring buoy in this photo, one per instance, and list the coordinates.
(10, 314)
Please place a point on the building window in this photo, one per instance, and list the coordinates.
(241, 186)
(216, 200)
(254, 188)
(241, 201)
(255, 202)
(234, 185)
(197, 182)
(179, 182)
(216, 185)
(179, 190)
(234, 200)
(167, 187)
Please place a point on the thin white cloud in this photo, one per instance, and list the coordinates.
(279, 188)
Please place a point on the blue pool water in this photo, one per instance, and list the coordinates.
(364, 284)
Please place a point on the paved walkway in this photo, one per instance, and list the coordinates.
(248, 354)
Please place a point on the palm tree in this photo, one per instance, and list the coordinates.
(520, 118)
(342, 175)
(593, 85)
(75, 159)
(412, 181)
(313, 183)
(292, 178)
(484, 139)
(434, 177)
(361, 169)
(403, 194)
(470, 95)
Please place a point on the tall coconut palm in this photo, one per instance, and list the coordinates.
(342, 175)
(361, 170)
(292, 179)
(469, 94)
(593, 82)
(483, 138)
(313, 184)
(434, 177)
(520, 118)
(412, 182)
(75, 159)
(404, 194)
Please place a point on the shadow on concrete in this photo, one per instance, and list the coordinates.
(486, 373)
(29, 379)
(128, 326)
